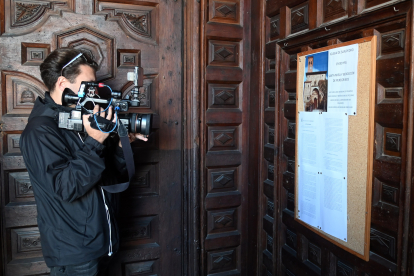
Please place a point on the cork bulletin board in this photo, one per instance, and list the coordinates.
(360, 148)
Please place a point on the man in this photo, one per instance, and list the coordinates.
(66, 169)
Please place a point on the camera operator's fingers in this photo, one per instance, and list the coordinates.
(133, 137)
(96, 109)
(109, 115)
(102, 113)
(136, 136)
(85, 119)
(92, 132)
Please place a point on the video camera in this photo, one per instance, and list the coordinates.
(133, 122)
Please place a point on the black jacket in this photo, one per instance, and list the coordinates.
(65, 173)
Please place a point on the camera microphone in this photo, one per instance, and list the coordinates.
(137, 76)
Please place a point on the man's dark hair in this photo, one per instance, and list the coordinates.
(51, 68)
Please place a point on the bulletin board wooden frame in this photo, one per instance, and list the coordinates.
(360, 148)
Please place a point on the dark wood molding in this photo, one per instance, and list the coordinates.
(191, 177)
(315, 13)
(249, 192)
(2, 19)
(407, 263)
(202, 61)
(256, 106)
(285, 22)
(191, 135)
(280, 157)
(34, 53)
(367, 20)
(225, 98)
(333, 41)
(357, 8)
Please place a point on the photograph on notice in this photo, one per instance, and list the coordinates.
(315, 89)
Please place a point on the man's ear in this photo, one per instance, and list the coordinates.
(61, 84)
(57, 92)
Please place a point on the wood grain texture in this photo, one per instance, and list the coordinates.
(315, 13)
(285, 22)
(299, 18)
(225, 90)
(156, 191)
(24, 17)
(192, 138)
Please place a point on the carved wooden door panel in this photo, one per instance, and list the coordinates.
(224, 145)
(287, 247)
(119, 35)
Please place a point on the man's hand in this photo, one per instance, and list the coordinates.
(96, 133)
(133, 137)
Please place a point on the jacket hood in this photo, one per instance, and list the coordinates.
(47, 107)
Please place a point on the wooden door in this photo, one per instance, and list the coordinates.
(287, 247)
(225, 143)
(119, 35)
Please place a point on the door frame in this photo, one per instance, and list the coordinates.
(191, 143)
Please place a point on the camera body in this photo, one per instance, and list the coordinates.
(133, 122)
(71, 120)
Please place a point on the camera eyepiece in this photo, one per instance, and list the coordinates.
(69, 97)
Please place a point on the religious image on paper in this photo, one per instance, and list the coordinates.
(315, 89)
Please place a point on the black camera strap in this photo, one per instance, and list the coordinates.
(129, 159)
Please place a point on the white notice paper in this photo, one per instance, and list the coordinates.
(342, 79)
(308, 139)
(322, 171)
(309, 197)
(334, 173)
(309, 191)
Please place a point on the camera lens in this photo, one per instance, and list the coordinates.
(138, 123)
